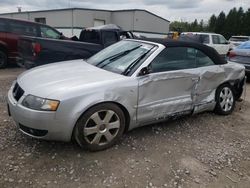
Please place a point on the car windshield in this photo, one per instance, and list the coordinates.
(121, 57)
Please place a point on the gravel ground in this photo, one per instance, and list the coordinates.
(204, 150)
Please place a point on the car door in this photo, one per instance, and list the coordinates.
(168, 89)
(211, 76)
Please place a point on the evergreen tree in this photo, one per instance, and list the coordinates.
(236, 22)
(212, 23)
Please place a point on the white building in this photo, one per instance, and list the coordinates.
(70, 21)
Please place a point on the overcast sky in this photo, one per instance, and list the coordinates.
(185, 10)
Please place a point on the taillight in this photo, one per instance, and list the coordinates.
(231, 54)
(36, 48)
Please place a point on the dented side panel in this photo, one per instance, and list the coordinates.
(166, 93)
(211, 77)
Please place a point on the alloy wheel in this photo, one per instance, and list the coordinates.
(226, 99)
(101, 127)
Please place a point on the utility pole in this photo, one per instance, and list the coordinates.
(19, 9)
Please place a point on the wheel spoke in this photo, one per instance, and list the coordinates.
(90, 130)
(230, 101)
(226, 106)
(226, 91)
(114, 125)
(230, 95)
(108, 116)
(222, 95)
(96, 139)
(108, 136)
(96, 118)
(222, 104)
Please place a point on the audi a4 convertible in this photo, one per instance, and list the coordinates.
(127, 85)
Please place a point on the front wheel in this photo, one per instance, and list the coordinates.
(100, 127)
(225, 100)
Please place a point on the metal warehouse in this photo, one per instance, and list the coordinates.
(70, 21)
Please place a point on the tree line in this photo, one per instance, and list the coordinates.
(236, 22)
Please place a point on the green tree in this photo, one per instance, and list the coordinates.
(220, 24)
(246, 23)
(212, 23)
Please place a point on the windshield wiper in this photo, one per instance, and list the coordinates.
(116, 56)
(130, 67)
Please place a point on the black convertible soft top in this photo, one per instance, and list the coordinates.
(209, 51)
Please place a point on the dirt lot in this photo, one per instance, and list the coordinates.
(204, 150)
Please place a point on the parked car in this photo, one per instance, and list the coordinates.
(127, 85)
(35, 51)
(241, 55)
(216, 41)
(10, 32)
(237, 40)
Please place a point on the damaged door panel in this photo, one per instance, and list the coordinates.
(209, 79)
(166, 93)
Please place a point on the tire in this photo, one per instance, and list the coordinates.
(225, 99)
(94, 133)
(3, 59)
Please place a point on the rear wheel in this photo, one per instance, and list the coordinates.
(100, 127)
(3, 59)
(225, 100)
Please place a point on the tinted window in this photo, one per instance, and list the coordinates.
(90, 36)
(205, 39)
(222, 40)
(48, 32)
(177, 58)
(109, 38)
(174, 58)
(202, 59)
(23, 28)
(216, 39)
(40, 20)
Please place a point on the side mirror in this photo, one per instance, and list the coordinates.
(144, 71)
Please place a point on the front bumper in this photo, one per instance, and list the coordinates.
(38, 124)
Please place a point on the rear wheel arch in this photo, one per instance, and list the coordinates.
(237, 86)
(218, 108)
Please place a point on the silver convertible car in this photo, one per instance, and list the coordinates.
(127, 85)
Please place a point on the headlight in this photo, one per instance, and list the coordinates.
(37, 103)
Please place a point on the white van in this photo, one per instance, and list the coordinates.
(214, 40)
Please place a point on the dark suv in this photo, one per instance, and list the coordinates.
(12, 29)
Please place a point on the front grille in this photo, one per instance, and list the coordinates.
(34, 132)
(17, 92)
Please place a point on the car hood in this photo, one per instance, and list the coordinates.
(62, 77)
